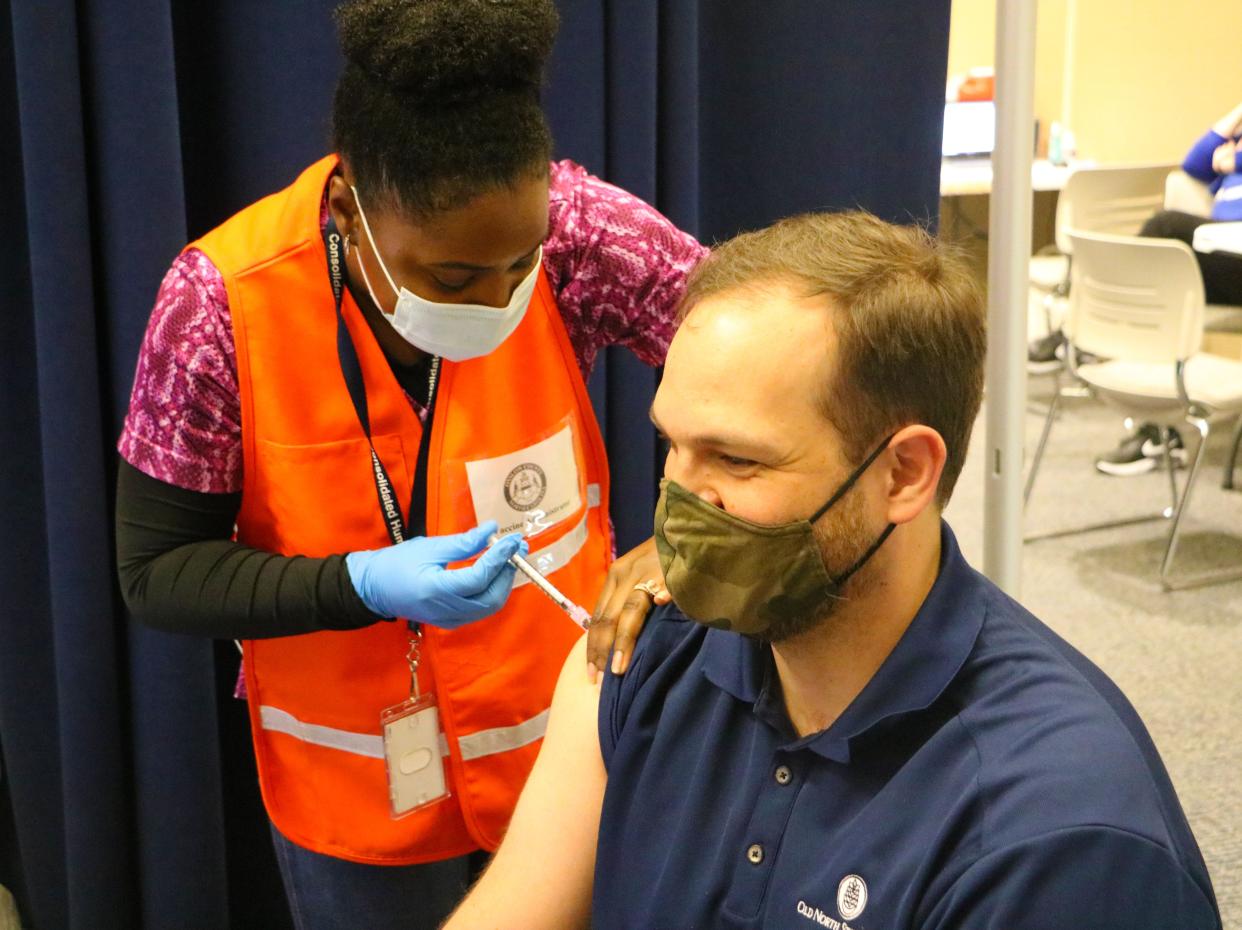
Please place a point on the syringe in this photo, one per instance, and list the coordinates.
(576, 613)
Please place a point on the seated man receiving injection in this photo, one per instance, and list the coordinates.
(837, 722)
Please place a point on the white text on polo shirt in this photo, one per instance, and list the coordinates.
(815, 914)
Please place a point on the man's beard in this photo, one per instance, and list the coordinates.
(843, 539)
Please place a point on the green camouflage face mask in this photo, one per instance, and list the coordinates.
(732, 574)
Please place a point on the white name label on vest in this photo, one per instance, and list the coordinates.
(530, 490)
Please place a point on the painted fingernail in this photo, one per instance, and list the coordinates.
(617, 658)
(592, 672)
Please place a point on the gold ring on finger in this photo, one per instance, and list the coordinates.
(650, 587)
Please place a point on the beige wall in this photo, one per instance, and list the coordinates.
(972, 34)
(972, 43)
(1149, 76)
(1146, 77)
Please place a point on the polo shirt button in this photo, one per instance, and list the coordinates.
(783, 775)
(755, 853)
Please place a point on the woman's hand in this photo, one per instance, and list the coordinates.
(1224, 159)
(1229, 124)
(412, 579)
(622, 608)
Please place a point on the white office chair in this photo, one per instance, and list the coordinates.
(1116, 200)
(1187, 194)
(1190, 195)
(1139, 304)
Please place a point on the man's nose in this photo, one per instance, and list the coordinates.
(694, 478)
(708, 493)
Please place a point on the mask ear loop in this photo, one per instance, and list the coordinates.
(841, 491)
(375, 251)
(852, 479)
(362, 266)
(842, 578)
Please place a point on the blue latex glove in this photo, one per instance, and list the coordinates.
(410, 580)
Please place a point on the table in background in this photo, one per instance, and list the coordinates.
(960, 177)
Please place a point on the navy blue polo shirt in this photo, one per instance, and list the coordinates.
(988, 776)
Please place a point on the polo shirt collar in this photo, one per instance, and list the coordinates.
(925, 660)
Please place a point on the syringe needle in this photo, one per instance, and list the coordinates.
(578, 614)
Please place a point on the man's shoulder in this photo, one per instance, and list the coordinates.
(666, 633)
(1058, 743)
(669, 645)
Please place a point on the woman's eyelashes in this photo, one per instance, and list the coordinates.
(522, 264)
(526, 261)
(451, 286)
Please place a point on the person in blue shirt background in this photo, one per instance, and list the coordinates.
(1216, 160)
(837, 722)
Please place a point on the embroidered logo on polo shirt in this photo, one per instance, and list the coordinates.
(851, 897)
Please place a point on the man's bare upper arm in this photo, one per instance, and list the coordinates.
(541, 877)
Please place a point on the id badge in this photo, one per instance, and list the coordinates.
(413, 755)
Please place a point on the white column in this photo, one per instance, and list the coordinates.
(1009, 249)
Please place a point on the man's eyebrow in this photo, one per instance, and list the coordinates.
(723, 440)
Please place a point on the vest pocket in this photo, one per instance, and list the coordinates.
(321, 498)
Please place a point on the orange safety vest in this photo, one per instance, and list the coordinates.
(316, 699)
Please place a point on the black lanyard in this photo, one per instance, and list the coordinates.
(399, 530)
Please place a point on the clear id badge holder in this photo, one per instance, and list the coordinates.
(413, 751)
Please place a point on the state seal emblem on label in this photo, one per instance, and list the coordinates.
(525, 486)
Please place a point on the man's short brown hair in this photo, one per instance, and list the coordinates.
(908, 315)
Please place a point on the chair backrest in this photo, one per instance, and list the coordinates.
(1187, 194)
(1134, 299)
(1116, 200)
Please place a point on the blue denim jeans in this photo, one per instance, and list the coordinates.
(326, 893)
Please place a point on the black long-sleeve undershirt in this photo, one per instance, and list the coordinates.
(181, 572)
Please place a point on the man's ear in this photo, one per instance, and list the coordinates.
(916, 457)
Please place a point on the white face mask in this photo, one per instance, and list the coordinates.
(452, 331)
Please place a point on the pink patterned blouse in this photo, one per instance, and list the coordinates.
(617, 267)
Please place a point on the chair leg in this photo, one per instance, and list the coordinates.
(1043, 442)
(1230, 462)
(1171, 470)
(1164, 514)
(1167, 582)
(1047, 302)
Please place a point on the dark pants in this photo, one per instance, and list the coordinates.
(1222, 271)
(326, 893)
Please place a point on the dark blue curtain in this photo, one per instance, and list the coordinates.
(127, 794)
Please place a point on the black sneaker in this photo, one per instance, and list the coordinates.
(1045, 355)
(1141, 452)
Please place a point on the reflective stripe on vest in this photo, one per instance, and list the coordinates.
(475, 746)
(360, 744)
